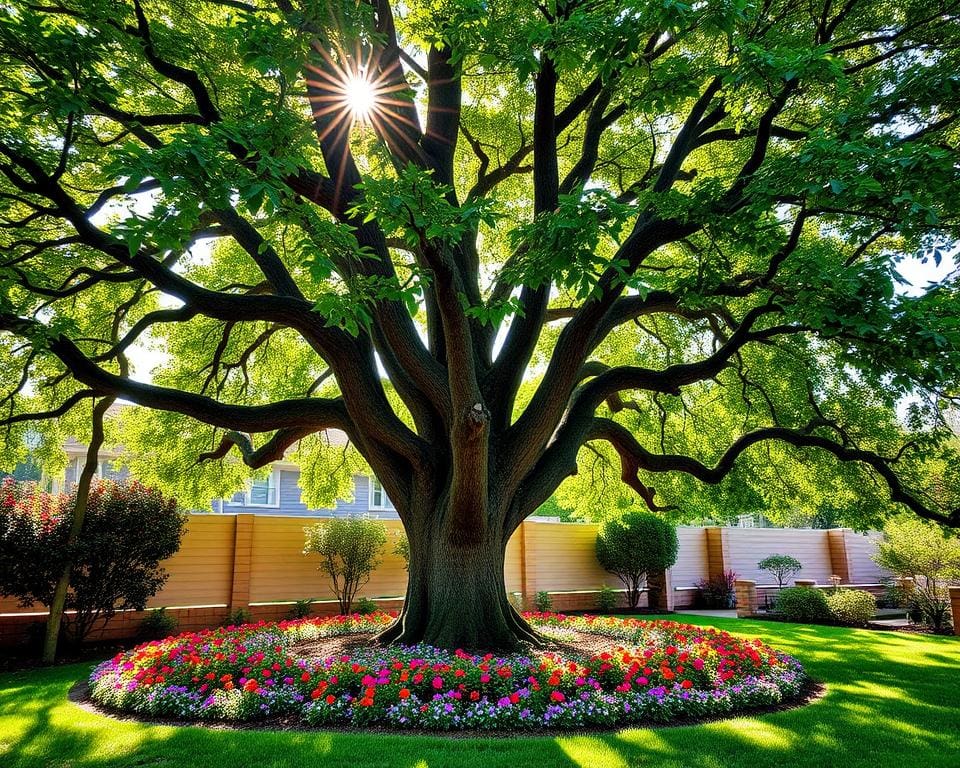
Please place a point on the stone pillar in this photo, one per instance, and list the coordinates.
(660, 593)
(242, 556)
(805, 582)
(839, 562)
(746, 591)
(955, 607)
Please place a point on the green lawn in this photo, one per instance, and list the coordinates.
(893, 700)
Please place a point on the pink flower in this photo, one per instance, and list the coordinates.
(437, 682)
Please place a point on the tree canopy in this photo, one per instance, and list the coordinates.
(485, 239)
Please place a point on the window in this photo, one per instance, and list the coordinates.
(76, 467)
(263, 493)
(259, 493)
(378, 496)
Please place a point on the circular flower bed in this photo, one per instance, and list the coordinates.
(653, 672)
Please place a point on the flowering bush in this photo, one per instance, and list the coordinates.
(128, 530)
(655, 671)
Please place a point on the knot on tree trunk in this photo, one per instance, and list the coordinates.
(477, 419)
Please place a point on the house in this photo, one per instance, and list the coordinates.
(277, 494)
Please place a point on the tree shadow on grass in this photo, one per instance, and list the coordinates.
(893, 700)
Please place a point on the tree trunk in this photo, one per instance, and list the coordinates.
(456, 596)
(59, 600)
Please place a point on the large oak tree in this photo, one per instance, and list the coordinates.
(481, 238)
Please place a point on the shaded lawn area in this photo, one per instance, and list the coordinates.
(893, 700)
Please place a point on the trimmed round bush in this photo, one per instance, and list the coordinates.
(635, 545)
(652, 672)
(803, 604)
(852, 606)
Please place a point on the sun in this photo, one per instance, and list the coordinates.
(360, 96)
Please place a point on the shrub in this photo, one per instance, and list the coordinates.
(782, 567)
(158, 624)
(717, 591)
(402, 548)
(543, 602)
(128, 530)
(366, 606)
(349, 550)
(919, 550)
(607, 599)
(633, 546)
(300, 609)
(237, 617)
(895, 594)
(852, 606)
(803, 604)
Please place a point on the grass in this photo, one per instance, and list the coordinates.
(893, 700)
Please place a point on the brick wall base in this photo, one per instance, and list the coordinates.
(125, 626)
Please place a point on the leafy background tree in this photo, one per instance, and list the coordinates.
(920, 551)
(782, 567)
(494, 243)
(349, 550)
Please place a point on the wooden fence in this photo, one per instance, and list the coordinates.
(255, 562)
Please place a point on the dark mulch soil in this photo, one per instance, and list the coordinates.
(579, 645)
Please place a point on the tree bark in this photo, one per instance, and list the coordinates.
(59, 600)
(456, 594)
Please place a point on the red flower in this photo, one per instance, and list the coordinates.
(251, 685)
(557, 696)
(330, 698)
(404, 693)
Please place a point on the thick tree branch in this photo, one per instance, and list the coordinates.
(271, 451)
(642, 459)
